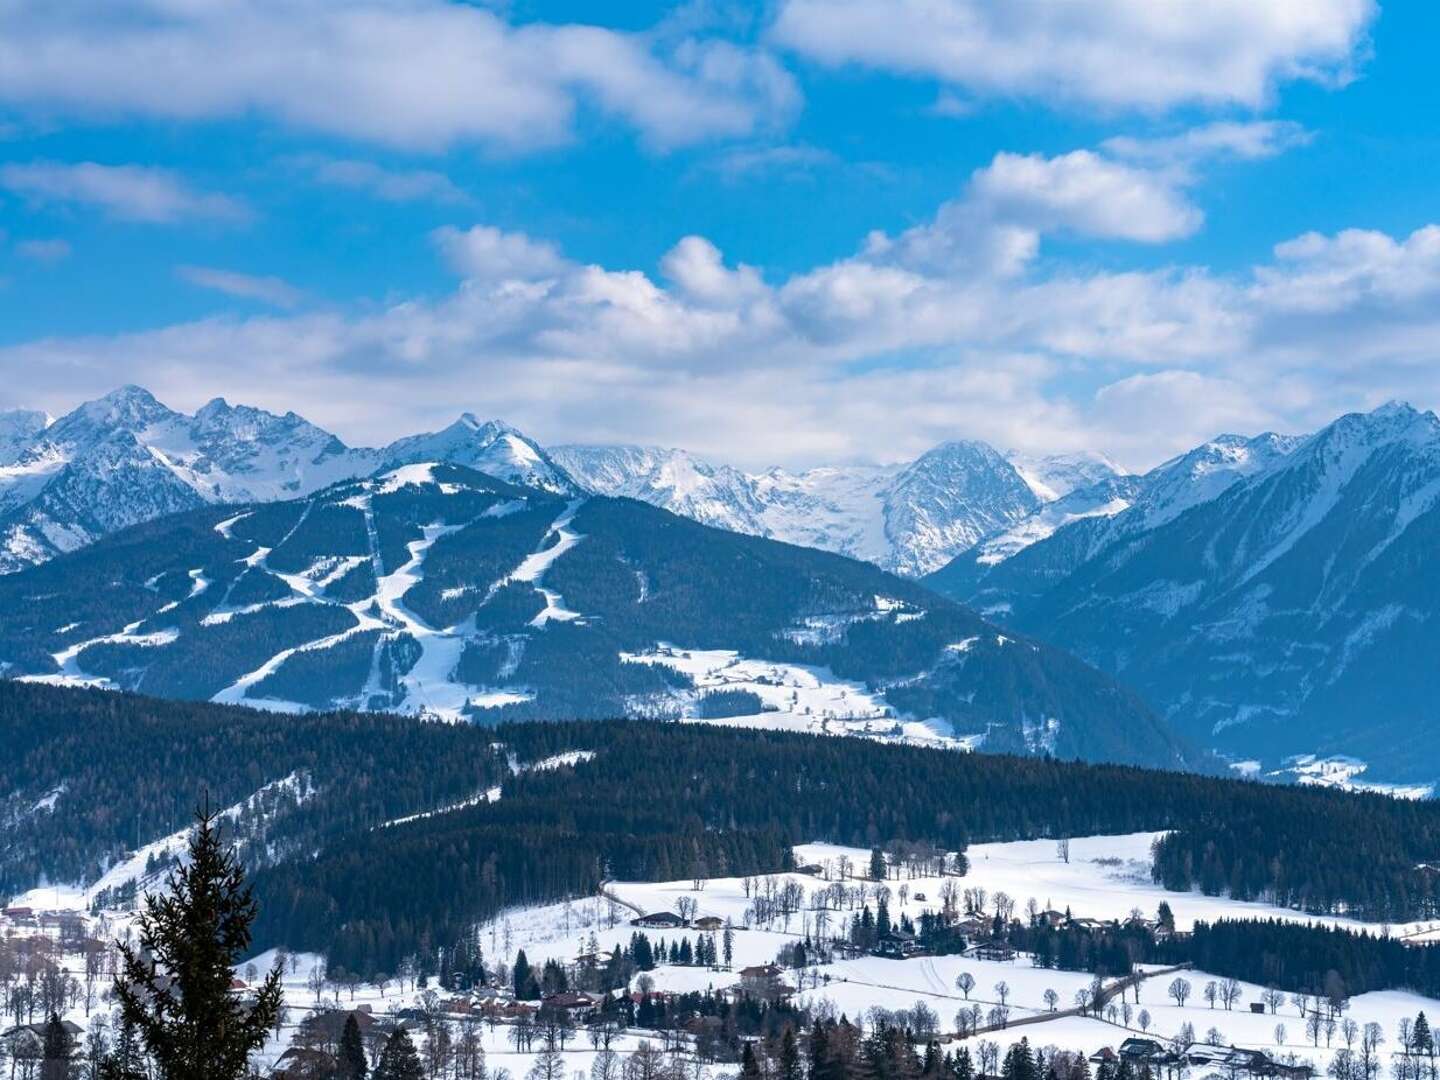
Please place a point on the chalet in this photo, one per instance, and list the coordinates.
(575, 1003)
(897, 945)
(708, 923)
(1053, 917)
(992, 950)
(764, 981)
(659, 920)
(1104, 1056)
(303, 1063)
(19, 914)
(1257, 1007)
(920, 898)
(1141, 1051)
(813, 869)
(28, 1040)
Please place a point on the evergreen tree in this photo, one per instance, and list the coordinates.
(399, 1061)
(749, 1067)
(352, 1052)
(877, 864)
(1420, 1037)
(964, 1068)
(175, 986)
(59, 1049)
(1019, 1063)
(790, 1067)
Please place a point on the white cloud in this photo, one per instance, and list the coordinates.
(391, 185)
(1085, 193)
(265, 289)
(878, 355)
(1145, 54)
(485, 253)
(1250, 140)
(124, 192)
(698, 270)
(44, 251)
(409, 73)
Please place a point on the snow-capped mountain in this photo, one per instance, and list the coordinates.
(910, 518)
(126, 458)
(1274, 595)
(489, 447)
(1116, 506)
(18, 429)
(431, 587)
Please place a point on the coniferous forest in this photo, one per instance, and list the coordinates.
(657, 801)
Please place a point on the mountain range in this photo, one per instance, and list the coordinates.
(126, 458)
(433, 588)
(1270, 595)
(1274, 596)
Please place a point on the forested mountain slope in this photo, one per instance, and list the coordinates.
(434, 588)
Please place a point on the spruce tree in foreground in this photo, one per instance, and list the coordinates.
(175, 986)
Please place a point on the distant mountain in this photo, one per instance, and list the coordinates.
(489, 447)
(126, 458)
(1275, 596)
(437, 589)
(909, 518)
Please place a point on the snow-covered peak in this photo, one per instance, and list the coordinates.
(1053, 476)
(491, 447)
(130, 408)
(18, 429)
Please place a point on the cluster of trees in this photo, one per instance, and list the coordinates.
(1317, 959)
(1373, 862)
(126, 770)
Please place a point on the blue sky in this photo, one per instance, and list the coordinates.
(792, 232)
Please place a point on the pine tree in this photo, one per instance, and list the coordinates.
(749, 1067)
(399, 1061)
(523, 977)
(58, 1051)
(175, 986)
(790, 1067)
(1420, 1037)
(352, 1052)
(877, 864)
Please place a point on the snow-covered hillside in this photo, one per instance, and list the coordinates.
(433, 588)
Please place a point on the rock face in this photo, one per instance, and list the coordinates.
(1274, 596)
(434, 588)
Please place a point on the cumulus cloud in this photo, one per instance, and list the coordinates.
(485, 253)
(131, 193)
(904, 343)
(1085, 193)
(265, 289)
(407, 73)
(1118, 53)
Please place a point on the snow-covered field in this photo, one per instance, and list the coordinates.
(795, 697)
(1105, 878)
